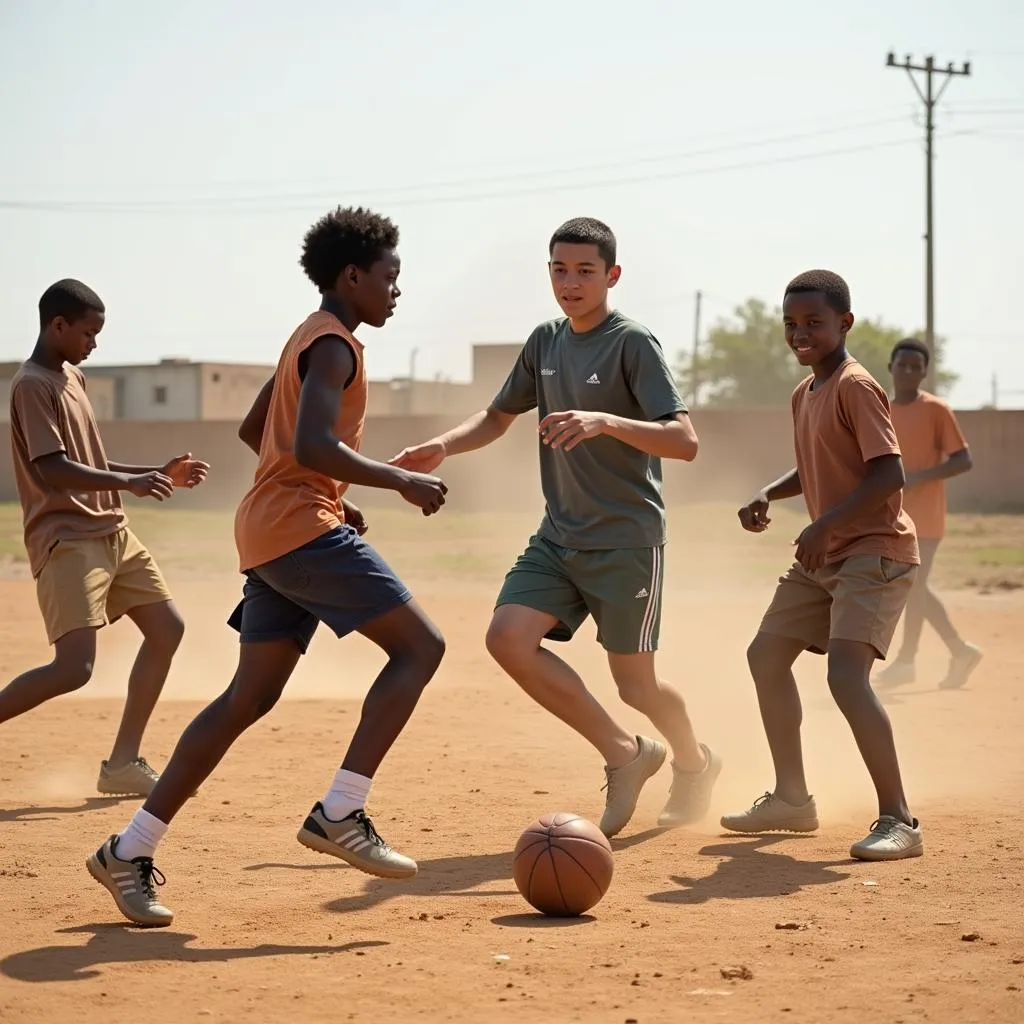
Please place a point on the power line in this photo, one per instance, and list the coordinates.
(381, 196)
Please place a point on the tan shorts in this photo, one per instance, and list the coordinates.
(91, 581)
(860, 598)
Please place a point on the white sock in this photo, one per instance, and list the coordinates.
(141, 837)
(349, 792)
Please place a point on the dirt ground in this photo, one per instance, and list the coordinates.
(266, 932)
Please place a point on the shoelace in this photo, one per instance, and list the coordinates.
(146, 769)
(889, 829)
(762, 801)
(372, 835)
(148, 874)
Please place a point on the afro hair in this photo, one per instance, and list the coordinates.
(349, 236)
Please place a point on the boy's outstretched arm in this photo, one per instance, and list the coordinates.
(481, 429)
(251, 430)
(754, 515)
(671, 437)
(327, 369)
(182, 470)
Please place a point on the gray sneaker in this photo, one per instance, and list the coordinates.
(690, 796)
(770, 814)
(890, 839)
(898, 673)
(624, 785)
(961, 666)
(132, 884)
(136, 778)
(355, 841)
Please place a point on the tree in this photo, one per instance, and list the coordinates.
(746, 361)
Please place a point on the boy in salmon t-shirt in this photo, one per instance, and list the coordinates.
(855, 565)
(300, 547)
(934, 449)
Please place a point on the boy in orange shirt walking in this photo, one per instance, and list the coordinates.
(300, 547)
(934, 449)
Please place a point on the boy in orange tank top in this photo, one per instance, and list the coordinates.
(855, 565)
(934, 449)
(300, 547)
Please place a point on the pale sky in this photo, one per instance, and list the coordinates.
(173, 155)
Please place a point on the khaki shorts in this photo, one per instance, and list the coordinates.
(91, 581)
(860, 598)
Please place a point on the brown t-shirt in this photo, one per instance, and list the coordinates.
(928, 434)
(839, 426)
(50, 412)
(289, 505)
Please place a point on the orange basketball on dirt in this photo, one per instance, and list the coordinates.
(563, 865)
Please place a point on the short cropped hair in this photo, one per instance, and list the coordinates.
(69, 299)
(832, 286)
(586, 231)
(911, 345)
(345, 237)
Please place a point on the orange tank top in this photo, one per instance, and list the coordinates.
(289, 505)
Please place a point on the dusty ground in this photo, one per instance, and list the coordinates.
(266, 932)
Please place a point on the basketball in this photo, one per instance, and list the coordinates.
(563, 865)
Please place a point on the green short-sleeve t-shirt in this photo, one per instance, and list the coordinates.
(603, 494)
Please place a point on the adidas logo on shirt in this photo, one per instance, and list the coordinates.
(642, 592)
(545, 372)
(593, 379)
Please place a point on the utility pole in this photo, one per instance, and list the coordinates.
(930, 98)
(695, 357)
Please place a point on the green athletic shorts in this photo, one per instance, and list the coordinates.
(620, 588)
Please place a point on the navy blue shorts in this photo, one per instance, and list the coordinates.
(337, 579)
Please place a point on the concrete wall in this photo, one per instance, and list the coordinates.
(739, 452)
(419, 398)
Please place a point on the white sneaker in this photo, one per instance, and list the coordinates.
(890, 839)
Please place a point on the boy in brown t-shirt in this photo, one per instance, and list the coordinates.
(89, 567)
(934, 449)
(855, 565)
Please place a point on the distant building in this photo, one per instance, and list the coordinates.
(185, 391)
(179, 389)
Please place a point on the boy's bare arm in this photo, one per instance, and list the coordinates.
(60, 473)
(481, 429)
(669, 438)
(251, 430)
(754, 515)
(958, 463)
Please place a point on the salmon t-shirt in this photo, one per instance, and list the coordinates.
(289, 505)
(51, 413)
(839, 426)
(928, 434)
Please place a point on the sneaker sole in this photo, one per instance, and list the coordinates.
(881, 855)
(96, 870)
(318, 844)
(655, 768)
(795, 827)
(668, 821)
